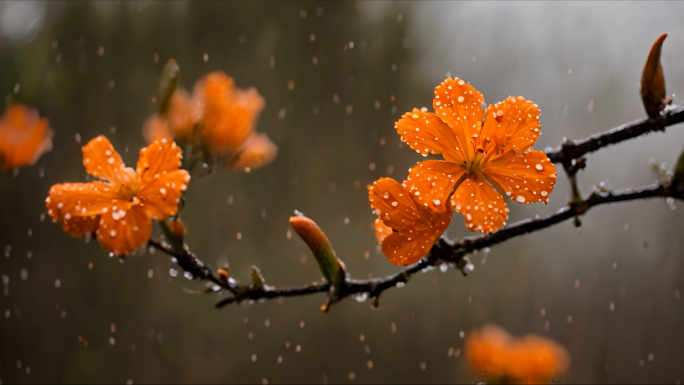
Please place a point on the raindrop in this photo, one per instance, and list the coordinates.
(188, 275)
(24, 274)
(399, 285)
(444, 267)
(173, 272)
(58, 283)
(362, 297)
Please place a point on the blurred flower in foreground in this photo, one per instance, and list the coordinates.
(410, 229)
(219, 118)
(24, 137)
(479, 147)
(120, 208)
(502, 358)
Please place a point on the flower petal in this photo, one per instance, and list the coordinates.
(156, 159)
(258, 150)
(102, 161)
(78, 205)
(415, 228)
(511, 125)
(124, 234)
(381, 231)
(159, 198)
(427, 134)
(484, 209)
(24, 137)
(228, 115)
(431, 182)
(528, 178)
(460, 106)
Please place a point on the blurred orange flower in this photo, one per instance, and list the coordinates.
(220, 117)
(120, 208)
(410, 229)
(24, 137)
(531, 359)
(484, 151)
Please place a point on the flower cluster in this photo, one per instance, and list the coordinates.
(501, 358)
(120, 207)
(487, 155)
(219, 118)
(24, 137)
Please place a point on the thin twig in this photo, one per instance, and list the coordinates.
(576, 149)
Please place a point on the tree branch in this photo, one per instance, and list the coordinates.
(445, 250)
(570, 150)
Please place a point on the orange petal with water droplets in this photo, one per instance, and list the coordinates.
(415, 227)
(460, 105)
(102, 161)
(511, 125)
(24, 137)
(381, 231)
(160, 197)
(78, 205)
(156, 159)
(484, 209)
(82, 199)
(124, 234)
(258, 150)
(427, 134)
(528, 178)
(431, 182)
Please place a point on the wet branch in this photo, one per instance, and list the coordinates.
(573, 150)
(569, 154)
(449, 251)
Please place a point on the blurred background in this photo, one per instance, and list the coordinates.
(335, 77)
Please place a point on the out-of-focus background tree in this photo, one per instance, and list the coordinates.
(335, 77)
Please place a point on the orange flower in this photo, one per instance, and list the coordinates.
(178, 121)
(221, 118)
(24, 137)
(484, 151)
(120, 208)
(414, 227)
(531, 359)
